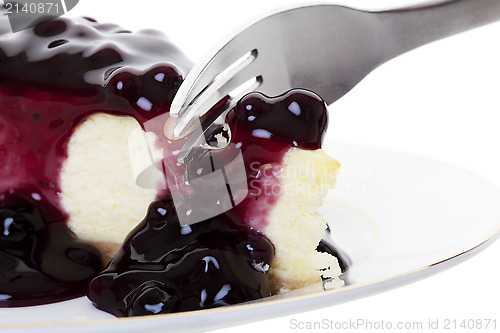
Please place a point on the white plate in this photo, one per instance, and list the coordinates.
(399, 217)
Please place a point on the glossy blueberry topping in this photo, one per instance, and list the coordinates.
(265, 128)
(164, 267)
(40, 259)
(326, 245)
(297, 118)
(50, 28)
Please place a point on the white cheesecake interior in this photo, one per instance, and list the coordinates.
(294, 226)
(98, 188)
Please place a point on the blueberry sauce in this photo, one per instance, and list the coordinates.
(213, 263)
(326, 245)
(265, 128)
(41, 261)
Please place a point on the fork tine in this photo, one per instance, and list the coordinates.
(232, 89)
(198, 139)
(233, 77)
(222, 55)
(200, 80)
(201, 77)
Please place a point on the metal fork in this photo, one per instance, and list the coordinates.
(324, 48)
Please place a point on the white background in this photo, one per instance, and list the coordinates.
(441, 101)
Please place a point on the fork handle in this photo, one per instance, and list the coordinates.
(411, 27)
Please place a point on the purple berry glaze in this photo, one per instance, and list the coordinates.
(213, 263)
(266, 128)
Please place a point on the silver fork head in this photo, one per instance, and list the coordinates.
(233, 68)
(231, 85)
(324, 48)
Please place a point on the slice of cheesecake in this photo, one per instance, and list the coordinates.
(104, 203)
(71, 93)
(287, 184)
